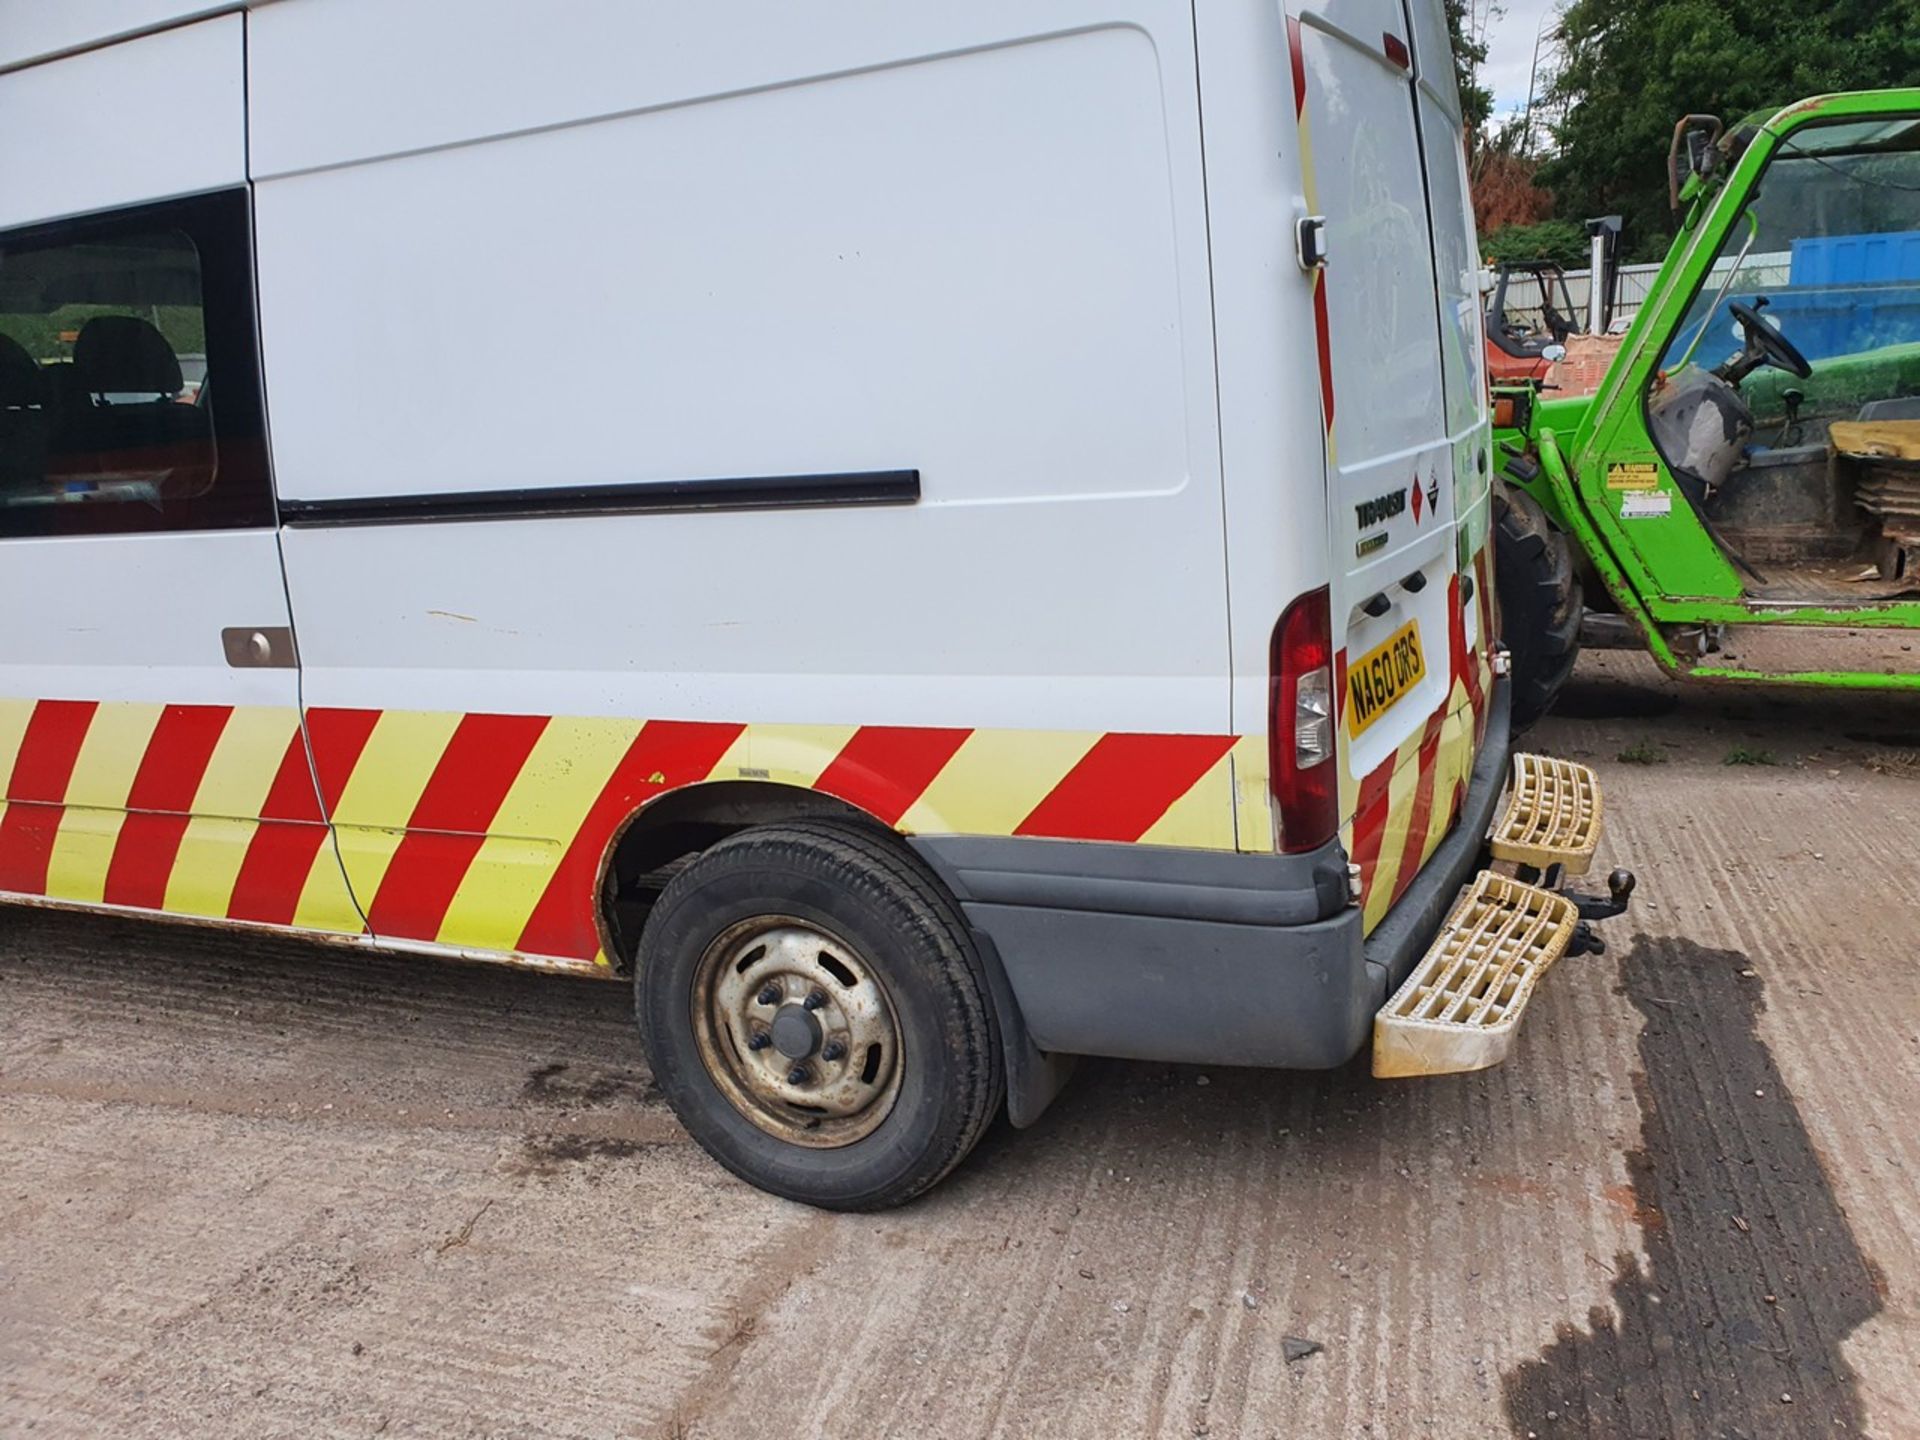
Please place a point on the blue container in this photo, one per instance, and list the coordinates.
(1845, 294)
(1856, 259)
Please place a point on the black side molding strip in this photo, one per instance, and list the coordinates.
(760, 492)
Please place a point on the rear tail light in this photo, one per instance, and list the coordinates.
(1301, 735)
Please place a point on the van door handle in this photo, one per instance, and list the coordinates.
(259, 647)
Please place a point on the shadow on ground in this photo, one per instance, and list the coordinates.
(1752, 1279)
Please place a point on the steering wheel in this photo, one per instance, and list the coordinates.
(1766, 345)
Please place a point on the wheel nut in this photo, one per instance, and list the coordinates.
(815, 1000)
(798, 1075)
(833, 1050)
(759, 1040)
(769, 995)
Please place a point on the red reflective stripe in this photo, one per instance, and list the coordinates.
(41, 772)
(885, 768)
(44, 765)
(337, 737)
(1299, 67)
(664, 755)
(1323, 341)
(449, 823)
(291, 832)
(1123, 784)
(161, 803)
(1370, 820)
(1412, 851)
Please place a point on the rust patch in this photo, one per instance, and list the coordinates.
(1517, 1185)
(1647, 1217)
(1752, 1281)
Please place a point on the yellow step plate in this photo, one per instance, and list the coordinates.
(1552, 815)
(1461, 1007)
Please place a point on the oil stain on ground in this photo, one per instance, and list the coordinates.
(1752, 1278)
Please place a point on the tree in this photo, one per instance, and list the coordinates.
(1632, 68)
(1560, 240)
(1469, 54)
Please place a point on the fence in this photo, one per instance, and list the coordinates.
(1633, 286)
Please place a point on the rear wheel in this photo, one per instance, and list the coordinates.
(1540, 601)
(817, 1015)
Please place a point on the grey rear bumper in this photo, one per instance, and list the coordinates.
(1182, 955)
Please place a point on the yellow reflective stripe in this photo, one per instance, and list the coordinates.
(1253, 794)
(96, 800)
(1203, 817)
(379, 798)
(212, 849)
(994, 781)
(244, 762)
(233, 790)
(791, 754)
(14, 715)
(542, 812)
(325, 902)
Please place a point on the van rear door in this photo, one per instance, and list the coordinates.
(1401, 381)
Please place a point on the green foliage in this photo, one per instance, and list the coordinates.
(1634, 67)
(1644, 752)
(183, 325)
(1744, 755)
(1469, 54)
(1561, 240)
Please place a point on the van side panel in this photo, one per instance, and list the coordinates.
(141, 768)
(32, 30)
(144, 120)
(968, 244)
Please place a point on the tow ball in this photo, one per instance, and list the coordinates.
(1619, 895)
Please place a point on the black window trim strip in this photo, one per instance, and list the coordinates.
(646, 497)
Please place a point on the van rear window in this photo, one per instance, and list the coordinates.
(129, 387)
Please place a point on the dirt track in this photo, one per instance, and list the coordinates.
(257, 1189)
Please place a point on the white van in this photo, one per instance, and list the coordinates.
(940, 538)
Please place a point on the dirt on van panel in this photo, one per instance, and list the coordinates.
(263, 1188)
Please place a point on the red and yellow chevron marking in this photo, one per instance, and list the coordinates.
(488, 832)
(1398, 814)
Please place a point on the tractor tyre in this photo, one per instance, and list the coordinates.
(1540, 601)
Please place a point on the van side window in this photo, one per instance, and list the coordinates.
(129, 373)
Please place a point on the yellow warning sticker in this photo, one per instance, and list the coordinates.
(1633, 476)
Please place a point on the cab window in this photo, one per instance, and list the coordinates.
(129, 378)
(1830, 240)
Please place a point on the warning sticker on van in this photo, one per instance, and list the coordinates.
(1383, 675)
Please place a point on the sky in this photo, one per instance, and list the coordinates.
(1510, 39)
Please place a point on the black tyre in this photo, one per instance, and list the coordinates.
(817, 1015)
(1540, 601)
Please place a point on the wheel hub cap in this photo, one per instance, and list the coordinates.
(796, 1034)
(797, 1031)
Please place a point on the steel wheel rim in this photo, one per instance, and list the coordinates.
(796, 1029)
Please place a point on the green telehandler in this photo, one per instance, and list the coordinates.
(1740, 494)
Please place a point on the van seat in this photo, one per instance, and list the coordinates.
(119, 409)
(24, 395)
